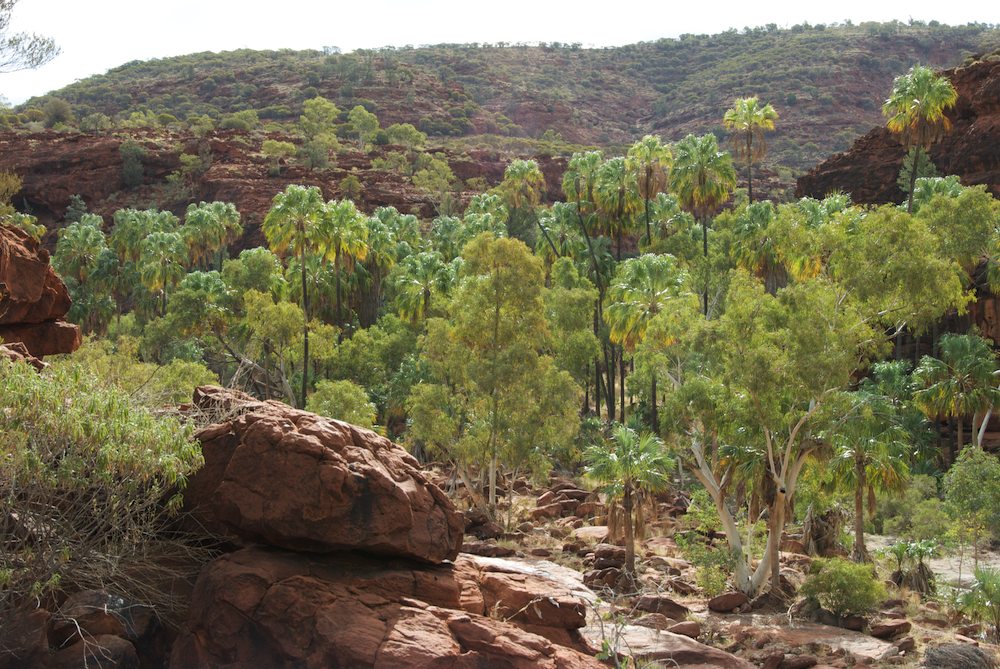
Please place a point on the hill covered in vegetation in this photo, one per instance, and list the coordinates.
(827, 83)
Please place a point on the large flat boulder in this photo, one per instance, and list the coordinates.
(292, 479)
(269, 608)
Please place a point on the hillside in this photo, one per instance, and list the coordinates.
(825, 81)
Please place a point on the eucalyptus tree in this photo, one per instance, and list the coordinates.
(632, 466)
(22, 51)
(749, 120)
(291, 226)
(916, 110)
(650, 159)
(702, 179)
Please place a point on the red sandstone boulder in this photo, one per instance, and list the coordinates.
(295, 480)
(18, 352)
(268, 608)
(32, 297)
(728, 602)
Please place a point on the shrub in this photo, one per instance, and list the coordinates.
(844, 588)
(132, 169)
(342, 400)
(89, 484)
(982, 601)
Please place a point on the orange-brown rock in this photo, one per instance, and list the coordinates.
(868, 170)
(18, 352)
(32, 298)
(267, 608)
(292, 479)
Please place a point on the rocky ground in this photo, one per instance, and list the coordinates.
(338, 550)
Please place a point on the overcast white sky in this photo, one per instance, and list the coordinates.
(96, 35)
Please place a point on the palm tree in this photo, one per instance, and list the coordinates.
(871, 444)
(203, 232)
(162, 259)
(749, 120)
(559, 222)
(415, 280)
(640, 290)
(650, 160)
(522, 186)
(381, 256)
(342, 236)
(632, 466)
(79, 246)
(961, 383)
(915, 110)
(702, 178)
(290, 227)
(132, 226)
(756, 250)
(617, 200)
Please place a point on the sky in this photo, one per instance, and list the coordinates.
(97, 35)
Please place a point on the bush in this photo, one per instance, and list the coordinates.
(342, 400)
(89, 484)
(844, 588)
(132, 169)
(982, 600)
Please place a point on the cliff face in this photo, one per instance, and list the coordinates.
(868, 170)
(55, 166)
(33, 299)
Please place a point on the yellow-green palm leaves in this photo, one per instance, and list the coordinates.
(650, 160)
(291, 226)
(342, 236)
(161, 263)
(916, 109)
(617, 198)
(631, 465)
(961, 383)
(642, 287)
(703, 176)
(749, 120)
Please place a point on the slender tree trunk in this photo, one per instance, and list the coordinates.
(704, 245)
(629, 536)
(913, 178)
(961, 437)
(860, 554)
(336, 269)
(609, 388)
(652, 400)
(750, 168)
(621, 381)
(649, 234)
(305, 331)
(777, 527)
(983, 426)
(548, 239)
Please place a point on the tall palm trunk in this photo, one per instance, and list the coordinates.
(750, 168)
(336, 269)
(860, 553)
(704, 246)
(913, 178)
(305, 330)
(627, 503)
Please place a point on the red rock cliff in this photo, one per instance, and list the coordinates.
(33, 299)
(868, 170)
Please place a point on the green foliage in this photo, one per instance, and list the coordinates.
(57, 113)
(81, 457)
(982, 600)
(132, 155)
(244, 121)
(972, 489)
(915, 160)
(844, 588)
(343, 400)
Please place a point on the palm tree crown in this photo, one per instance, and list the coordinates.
(749, 120)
